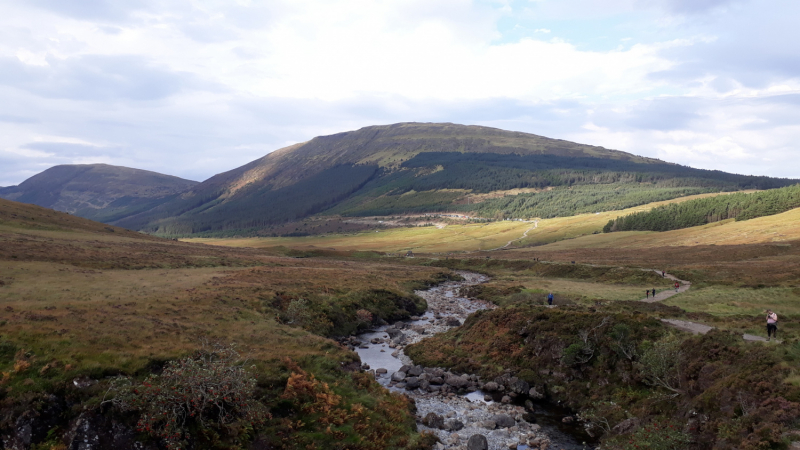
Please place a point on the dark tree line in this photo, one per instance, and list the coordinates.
(692, 213)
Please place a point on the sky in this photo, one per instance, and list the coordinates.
(195, 88)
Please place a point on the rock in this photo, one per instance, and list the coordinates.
(534, 394)
(529, 417)
(365, 367)
(519, 387)
(412, 383)
(506, 399)
(425, 376)
(381, 370)
(398, 376)
(400, 385)
(438, 373)
(393, 332)
(415, 371)
(454, 425)
(489, 424)
(504, 421)
(404, 368)
(437, 380)
(477, 442)
(512, 444)
(568, 419)
(487, 398)
(490, 386)
(625, 426)
(424, 385)
(456, 381)
(452, 322)
(433, 420)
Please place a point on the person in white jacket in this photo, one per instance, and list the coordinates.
(772, 325)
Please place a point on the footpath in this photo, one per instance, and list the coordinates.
(691, 327)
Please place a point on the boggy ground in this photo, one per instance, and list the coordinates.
(81, 302)
(630, 378)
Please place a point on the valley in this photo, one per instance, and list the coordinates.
(286, 291)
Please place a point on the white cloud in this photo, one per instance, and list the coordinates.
(194, 88)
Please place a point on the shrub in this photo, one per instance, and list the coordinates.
(210, 387)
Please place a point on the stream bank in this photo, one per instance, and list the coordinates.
(464, 411)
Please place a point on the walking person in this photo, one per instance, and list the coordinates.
(654, 292)
(772, 325)
(663, 274)
(647, 292)
(550, 299)
(677, 285)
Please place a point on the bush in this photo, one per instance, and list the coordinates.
(212, 387)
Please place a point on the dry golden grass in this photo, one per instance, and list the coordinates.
(91, 299)
(452, 238)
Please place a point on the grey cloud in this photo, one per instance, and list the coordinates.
(94, 78)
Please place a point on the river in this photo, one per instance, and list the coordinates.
(457, 406)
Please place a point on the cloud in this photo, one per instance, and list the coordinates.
(94, 77)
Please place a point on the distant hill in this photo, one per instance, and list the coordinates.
(421, 167)
(97, 191)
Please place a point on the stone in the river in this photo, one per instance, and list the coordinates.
(365, 367)
(519, 387)
(437, 380)
(452, 322)
(438, 373)
(454, 425)
(512, 444)
(405, 368)
(400, 385)
(506, 399)
(383, 351)
(568, 419)
(490, 386)
(425, 376)
(477, 442)
(433, 420)
(504, 420)
(456, 381)
(487, 398)
(489, 424)
(529, 417)
(398, 376)
(415, 371)
(412, 383)
(534, 394)
(363, 346)
(381, 370)
(424, 384)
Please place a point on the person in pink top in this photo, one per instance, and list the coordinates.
(772, 325)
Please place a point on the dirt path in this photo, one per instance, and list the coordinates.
(663, 295)
(691, 327)
(524, 235)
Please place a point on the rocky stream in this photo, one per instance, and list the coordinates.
(464, 411)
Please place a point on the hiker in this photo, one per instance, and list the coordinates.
(663, 274)
(677, 285)
(772, 325)
(550, 298)
(647, 292)
(654, 292)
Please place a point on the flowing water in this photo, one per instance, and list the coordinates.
(473, 409)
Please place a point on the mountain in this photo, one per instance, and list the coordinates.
(420, 167)
(97, 191)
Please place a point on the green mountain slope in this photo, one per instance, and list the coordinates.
(99, 192)
(416, 167)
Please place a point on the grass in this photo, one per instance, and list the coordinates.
(452, 238)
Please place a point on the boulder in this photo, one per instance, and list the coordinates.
(424, 384)
(534, 394)
(490, 386)
(398, 376)
(453, 425)
(626, 426)
(529, 417)
(519, 387)
(506, 399)
(393, 332)
(415, 371)
(412, 383)
(437, 381)
(381, 370)
(504, 421)
(477, 442)
(433, 420)
(456, 381)
(405, 368)
(452, 322)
